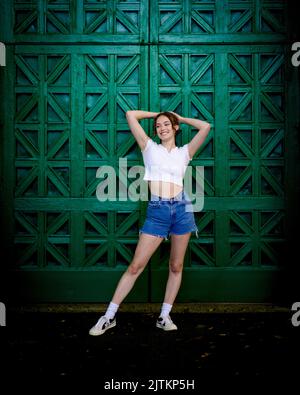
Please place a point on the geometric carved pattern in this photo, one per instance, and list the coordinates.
(105, 20)
(101, 19)
(203, 252)
(173, 19)
(120, 228)
(260, 167)
(186, 85)
(42, 125)
(256, 97)
(47, 158)
(42, 239)
(192, 19)
(109, 76)
(250, 157)
(70, 102)
(256, 238)
(246, 18)
(29, 18)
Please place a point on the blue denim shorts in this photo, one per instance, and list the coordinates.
(167, 216)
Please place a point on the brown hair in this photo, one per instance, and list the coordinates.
(173, 119)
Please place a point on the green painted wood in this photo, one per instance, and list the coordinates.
(79, 21)
(70, 120)
(247, 88)
(217, 22)
(72, 285)
(233, 285)
(222, 61)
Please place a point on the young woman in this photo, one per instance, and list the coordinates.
(165, 165)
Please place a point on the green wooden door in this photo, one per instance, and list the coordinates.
(73, 70)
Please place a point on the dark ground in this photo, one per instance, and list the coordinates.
(210, 346)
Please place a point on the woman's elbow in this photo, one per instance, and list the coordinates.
(207, 128)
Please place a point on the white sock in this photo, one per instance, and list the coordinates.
(165, 310)
(111, 310)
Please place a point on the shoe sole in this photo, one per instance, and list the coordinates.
(165, 329)
(103, 330)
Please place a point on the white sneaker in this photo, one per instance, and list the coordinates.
(102, 325)
(166, 324)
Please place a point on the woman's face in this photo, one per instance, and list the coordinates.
(164, 128)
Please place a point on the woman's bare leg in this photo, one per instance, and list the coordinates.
(179, 245)
(145, 248)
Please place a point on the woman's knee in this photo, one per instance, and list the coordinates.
(176, 266)
(136, 267)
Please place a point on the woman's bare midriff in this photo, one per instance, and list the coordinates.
(164, 189)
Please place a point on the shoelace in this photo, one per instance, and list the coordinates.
(102, 321)
(167, 319)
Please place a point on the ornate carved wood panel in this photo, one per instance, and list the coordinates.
(73, 69)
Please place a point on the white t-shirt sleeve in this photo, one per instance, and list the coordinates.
(149, 142)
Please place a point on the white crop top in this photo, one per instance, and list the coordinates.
(162, 165)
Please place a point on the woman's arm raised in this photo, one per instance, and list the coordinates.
(203, 130)
(133, 118)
